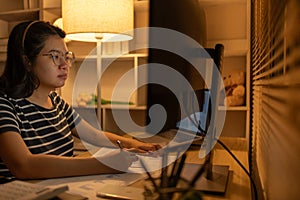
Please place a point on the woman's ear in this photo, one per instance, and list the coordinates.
(26, 62)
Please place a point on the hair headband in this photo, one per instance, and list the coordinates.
(25, 32)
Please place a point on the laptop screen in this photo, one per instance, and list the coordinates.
(197, 122)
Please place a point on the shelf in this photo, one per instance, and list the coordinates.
(20, 15)
(235, 47)
(123, 107)
(82, 58)
(234, 108)
(134, 107)
(122, 57)
(133, 55)
(219, 2)
(48, 4)
(202, 2)
(114, 106)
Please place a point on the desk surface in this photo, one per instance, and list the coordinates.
(238, 183)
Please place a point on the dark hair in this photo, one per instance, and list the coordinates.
(25, 42)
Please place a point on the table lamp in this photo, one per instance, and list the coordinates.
(98, 21)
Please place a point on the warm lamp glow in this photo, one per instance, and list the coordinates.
(58, 22)
(94, 20)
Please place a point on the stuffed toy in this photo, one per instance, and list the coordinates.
(234, 84)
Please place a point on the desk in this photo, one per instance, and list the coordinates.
(238, 184)
(238, 187)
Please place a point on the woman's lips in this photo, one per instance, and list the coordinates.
(63, 76)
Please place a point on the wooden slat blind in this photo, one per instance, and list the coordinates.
(275, 75)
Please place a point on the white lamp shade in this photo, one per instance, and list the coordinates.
(59, 23)
(94, 20)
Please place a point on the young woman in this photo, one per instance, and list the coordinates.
(36, 125)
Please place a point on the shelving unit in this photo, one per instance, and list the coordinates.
(223, 26)
(115, 68)
(228, 23)
(15, 11)
(127, 63)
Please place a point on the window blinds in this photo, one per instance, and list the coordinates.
(275, 75)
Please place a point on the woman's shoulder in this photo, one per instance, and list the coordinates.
(3, 98)
(6, 98)
(9, 101)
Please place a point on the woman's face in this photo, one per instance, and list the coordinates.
(52, 75)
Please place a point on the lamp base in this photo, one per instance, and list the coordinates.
(217, 184)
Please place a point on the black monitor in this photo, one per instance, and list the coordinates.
(174, 60)
(184, 17)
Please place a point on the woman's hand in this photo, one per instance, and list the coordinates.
(93, 136)
(134, 145)
(118, 159)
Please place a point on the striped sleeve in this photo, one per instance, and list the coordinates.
(8, 116)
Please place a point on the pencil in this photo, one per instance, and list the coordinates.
(120, 144)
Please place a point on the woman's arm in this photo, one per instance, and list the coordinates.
(24, 165)
(96, 137)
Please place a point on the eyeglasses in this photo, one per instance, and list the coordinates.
(59, 57)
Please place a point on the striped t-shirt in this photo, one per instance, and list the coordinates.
(44, 131)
